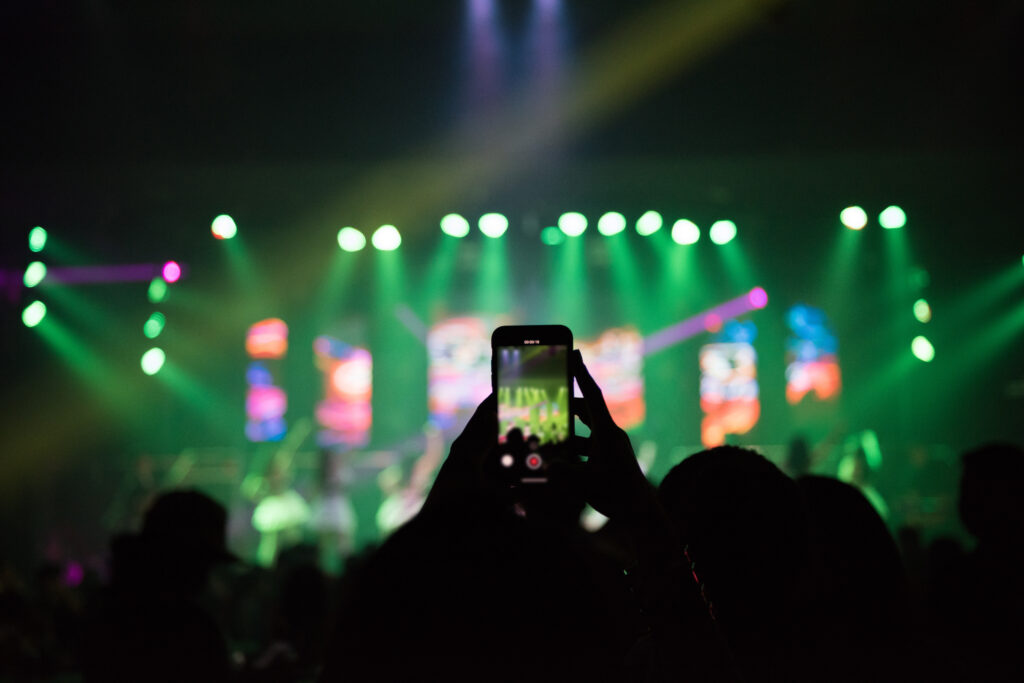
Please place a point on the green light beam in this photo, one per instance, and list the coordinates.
(88, 366)
(438, 279)
(680, 289)
(334, 292)
(492, 284)
(629, 294)
(570, 299)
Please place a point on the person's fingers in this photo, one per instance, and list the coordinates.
(592, 395)
(579, 445)
(579, 409)
(481, 429)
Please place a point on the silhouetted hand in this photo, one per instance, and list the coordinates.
(611, 479)
(463, 477)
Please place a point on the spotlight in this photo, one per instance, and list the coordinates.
(171, 272)
(685, 232)
(493, 225)
(758, 297)
(37, 239)
(572, 224)
(157, 290)
(552, 235)
(922, 311)
(223, 227)
(892, 217)
(612, 223)
(649, 223)
(35, 273)
(153, 360)
(923, 349)
(350, 239)
(154, 326)
(386, 238)
(722, 232)
(33, 314)
(853, 217)
(455, 225)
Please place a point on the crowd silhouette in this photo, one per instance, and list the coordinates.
(729, 570)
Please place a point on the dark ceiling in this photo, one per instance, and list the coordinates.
(232, 81)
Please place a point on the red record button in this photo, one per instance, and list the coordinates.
(533, 461)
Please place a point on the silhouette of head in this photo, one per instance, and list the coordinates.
(744, 522)
(858, 583)
(183, 535)
(992, 493)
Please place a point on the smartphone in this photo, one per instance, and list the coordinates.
(532, 381)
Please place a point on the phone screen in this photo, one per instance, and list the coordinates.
(533, 394)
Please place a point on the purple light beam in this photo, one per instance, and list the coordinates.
(694, 325)
(83, 275)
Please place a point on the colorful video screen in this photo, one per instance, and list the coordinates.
(616, 361)
(266, 402)
(459, 369)
(729, 392)
(345, 412)
(533, 392)
(812, 361)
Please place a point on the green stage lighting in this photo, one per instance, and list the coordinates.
(154, 326)
(153, 360)
(922, 311)
(572, 224)
(685, 232)
(722, 232)
(892, 217)
(923, 349)
(33, 314)
(37, 239)
(853, 217)
(157, 290)
(455, 225)
(552, 235)
(386, 238)
(223, 227)
(612, 223)
(35, 273)
(350, 239)
(649, 223)
(493, 225)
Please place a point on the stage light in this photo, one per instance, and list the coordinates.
(572, 224)
(37, 239)
(612, 223)
(171, 272)
(853, 217)
(923, 349)
(157, 290)
(922, 311)
(685, 232)
(649, 223)
(552, 235)
(892, 217)
(223, 227)
(722, 232)
(493, 225)
(35, 273)
(153, 360)
(154, 326)
(386, 238)
(33, 314)
(455, 225)
(350, 239)
(758, 297)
